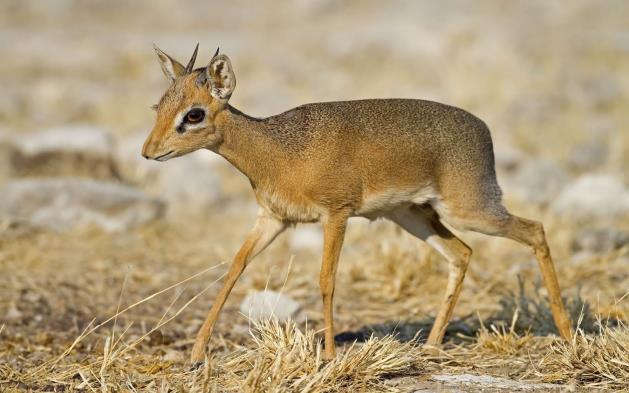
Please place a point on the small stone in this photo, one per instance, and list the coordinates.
(482, 382)
(507, 157)
(534, 181)
(265, 304)
(593, 197)
(589, 155)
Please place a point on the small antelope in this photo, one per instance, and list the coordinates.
(417, 163)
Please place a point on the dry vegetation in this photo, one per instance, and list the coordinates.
(93, 310)
(145, 323)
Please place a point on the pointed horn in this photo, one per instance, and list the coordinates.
(190, 65)
(216, 53)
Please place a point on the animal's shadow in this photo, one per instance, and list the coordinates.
(523, 312)
(404, 331)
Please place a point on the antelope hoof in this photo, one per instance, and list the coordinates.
(432, 350)
(198, 354)
(196, 366)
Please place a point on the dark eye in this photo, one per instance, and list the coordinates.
(194, 116)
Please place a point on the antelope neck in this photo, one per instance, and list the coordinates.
(248, 146)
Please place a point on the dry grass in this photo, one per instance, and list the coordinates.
(528, 311)
(502, 342)
(145, 322)
(132, 348)
(278, 358)
(600, 360)
(285, 359)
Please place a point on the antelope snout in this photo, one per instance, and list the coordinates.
(151, 149)
(154, 151)
(148, 148)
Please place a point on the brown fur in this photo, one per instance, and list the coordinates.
(412, 161)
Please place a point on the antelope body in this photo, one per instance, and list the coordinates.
(417, 163)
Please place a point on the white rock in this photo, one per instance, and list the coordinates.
(65, 151)
(133, 167)
(189, 184)
(78, 138)
(589, 155)
(67, 203)
(306, 238)
(488, 382)
(507, 157)
(264, 304)
(534, 181)
(593, 196)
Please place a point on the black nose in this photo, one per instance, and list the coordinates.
(145, 156)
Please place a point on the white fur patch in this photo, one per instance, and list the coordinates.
(380, 203)
(285, 209)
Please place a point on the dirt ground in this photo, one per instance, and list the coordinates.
(91, 309)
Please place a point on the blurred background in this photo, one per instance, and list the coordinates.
(81, 212)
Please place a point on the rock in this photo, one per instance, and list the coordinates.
(507, 157)
(589, 155)
(306, 238)
(189, 184)
(66, 203)
(599, 240)
(593, 197)
(482, 382)
(536, 181)
(72, 138)
(264, 304)
(82, 151)
(9, 154)
(133, 167)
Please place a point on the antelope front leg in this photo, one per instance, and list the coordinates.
(333, 234)
(264, 231)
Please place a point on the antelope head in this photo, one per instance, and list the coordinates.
(187, 111)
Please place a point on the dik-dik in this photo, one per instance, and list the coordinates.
(417, 163)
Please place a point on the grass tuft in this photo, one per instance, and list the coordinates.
(285, 358)
(592, 360)
(502, 341)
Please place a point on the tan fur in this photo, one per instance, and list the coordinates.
(414, 162)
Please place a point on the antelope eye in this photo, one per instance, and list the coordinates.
(194, 116)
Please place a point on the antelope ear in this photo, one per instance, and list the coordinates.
(221, 76)
(171, 67)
